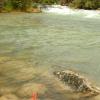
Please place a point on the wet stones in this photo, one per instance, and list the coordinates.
(77, 82)
(9, 97)
(7, 93)
(6, 90)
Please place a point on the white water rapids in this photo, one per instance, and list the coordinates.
(64, 10)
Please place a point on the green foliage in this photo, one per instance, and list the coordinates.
(85, 4)
(35, 5)
(48, 1)
(26, 4)
(17, 4)
(77, 4)
(65, 2)
(8, 6)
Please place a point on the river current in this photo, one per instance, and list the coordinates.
(32, 46)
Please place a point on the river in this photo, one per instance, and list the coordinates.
(32, 46)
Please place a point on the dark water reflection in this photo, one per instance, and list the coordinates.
(32, 46)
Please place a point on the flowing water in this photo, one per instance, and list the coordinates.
(32, 46)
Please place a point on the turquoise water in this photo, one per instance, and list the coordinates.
(34, 45)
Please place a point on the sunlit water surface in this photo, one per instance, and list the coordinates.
(32, 46)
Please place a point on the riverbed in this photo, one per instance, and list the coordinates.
(32, 46)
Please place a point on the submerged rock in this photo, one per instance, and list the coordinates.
(6, 90)
(9, 97)
(29, 88)
(77, 83)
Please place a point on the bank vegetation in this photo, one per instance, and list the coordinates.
(28, 5)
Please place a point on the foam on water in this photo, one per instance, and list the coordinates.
(58, 9)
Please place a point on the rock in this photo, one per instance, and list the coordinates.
(78, 83)
(36, 10)
(6, 90)
(9, 97)
(4, 59)
(21, 71)
(28, 89)
(33, 10)
(98, 9)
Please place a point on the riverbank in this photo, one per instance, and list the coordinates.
(58, 9)
(31, 10)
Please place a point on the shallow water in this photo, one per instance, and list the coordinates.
(32, 46)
